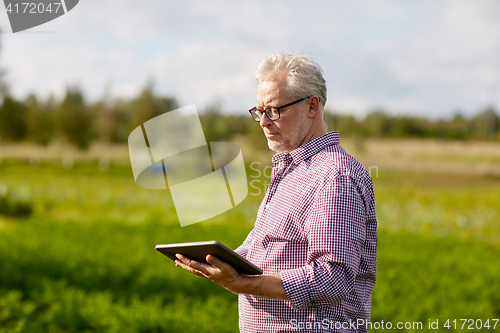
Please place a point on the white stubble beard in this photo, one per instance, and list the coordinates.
(298, 133)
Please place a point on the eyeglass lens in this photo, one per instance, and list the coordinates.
(271, 113)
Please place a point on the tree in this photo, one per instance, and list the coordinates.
(12, 119)
(121, 120)
(458, 128)
(3, 85)
(347, 125)
(411, 127)
(485, 125)
(144, 107)
(74, 119)
(105, 121)
(147, 106)
(112, 120)
(40, 122)
(378, 124)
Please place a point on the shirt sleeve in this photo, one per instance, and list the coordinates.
(242, 250)
(336, 233)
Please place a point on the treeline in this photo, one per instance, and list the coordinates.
(77, 122)
(378, 124)
(111, 120)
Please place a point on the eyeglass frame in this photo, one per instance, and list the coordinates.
(278, 108)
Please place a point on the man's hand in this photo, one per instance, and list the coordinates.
(218, 271)
(268, 286)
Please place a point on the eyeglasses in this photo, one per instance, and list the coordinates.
(273, 113)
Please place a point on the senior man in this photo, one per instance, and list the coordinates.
(315, 236)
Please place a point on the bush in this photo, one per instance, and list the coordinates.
(17, 203)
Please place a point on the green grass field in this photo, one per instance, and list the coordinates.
(84, 261)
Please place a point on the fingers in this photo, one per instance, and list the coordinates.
(192, 266)
(197, 265)
(190, 269)
(214, 261)
(215, 270)
(183, 259)
(186, 260)
(221, 265)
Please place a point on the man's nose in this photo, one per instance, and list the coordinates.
(265, 121)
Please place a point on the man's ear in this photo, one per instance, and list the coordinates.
(314, 107)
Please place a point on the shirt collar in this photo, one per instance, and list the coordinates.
(307, 149)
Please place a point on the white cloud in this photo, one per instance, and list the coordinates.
(431, 57)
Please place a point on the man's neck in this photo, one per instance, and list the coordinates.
(317, 130)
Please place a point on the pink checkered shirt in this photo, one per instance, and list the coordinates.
(317, 227)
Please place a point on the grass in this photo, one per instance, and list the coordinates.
(84, 261)
(423, 277)
(107, 277)
(443, 205)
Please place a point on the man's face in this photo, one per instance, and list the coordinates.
(288, 132)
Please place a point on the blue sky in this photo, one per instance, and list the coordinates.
(428, 58)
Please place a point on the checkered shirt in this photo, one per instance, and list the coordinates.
(317, 227)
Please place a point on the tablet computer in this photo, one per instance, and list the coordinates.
(199, 250)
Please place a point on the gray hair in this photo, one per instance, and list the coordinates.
(304, 76)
